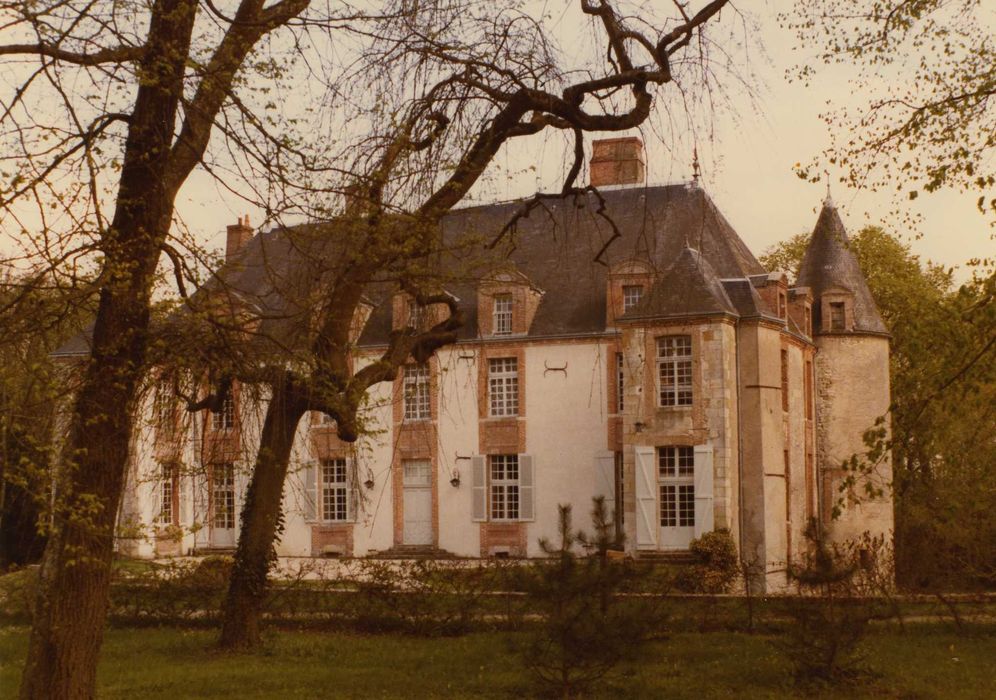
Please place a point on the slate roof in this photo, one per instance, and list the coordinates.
(687, 287)
(554, 248)
(830, 263)
(556, 245)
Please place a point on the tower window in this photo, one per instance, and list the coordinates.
(837, 316)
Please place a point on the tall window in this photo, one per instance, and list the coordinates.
(504, 487)
(503, 315)
(785, 380)
(674, 368)
(503, 386)
(632, 293)
(782, 305)
(620, 382)
(808, 380)
(224, 419)
(223, 495)
(164, 406)
(837, 316)
(676, 467)
(166, 476)
(416, 388)
(620, 493)
(335, 489)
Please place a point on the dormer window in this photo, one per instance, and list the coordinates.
(837, 322)
(503, 314)
(632, 293)
(225, 418)
(782, 305)
(416, 316)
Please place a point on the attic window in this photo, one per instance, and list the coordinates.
(632, 293)
(782, 305)
(837, 316)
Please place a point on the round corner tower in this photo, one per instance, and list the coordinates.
(852, 384)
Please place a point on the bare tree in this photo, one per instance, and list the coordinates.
(504, 85)
(174, 85)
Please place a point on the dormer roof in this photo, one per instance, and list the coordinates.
(830, 265)
(687, 287)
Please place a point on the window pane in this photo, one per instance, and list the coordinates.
(503, 386)
(669, 507)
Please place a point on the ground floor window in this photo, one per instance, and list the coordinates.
(504, 487)
(335, 489)
(676, 470)
(223, 495)
(167, 493)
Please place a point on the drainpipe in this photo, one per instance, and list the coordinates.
(740, 449)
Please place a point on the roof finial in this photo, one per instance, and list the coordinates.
(828, 201)
(695, 165)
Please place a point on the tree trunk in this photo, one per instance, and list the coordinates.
(260, 517)
(74, 582)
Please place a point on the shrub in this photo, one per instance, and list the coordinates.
(587, 630)
(829, 618)
(716, 565)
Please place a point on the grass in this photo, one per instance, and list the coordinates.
(921, 664)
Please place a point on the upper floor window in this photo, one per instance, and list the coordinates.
(416, 315)
(782, 305)
(837, 316)
(416, 388)
(503, 386)
(224, 419)
(335, 489)
(620, 382)
(674, 369)
(785, 380)
(632, 293)
(809, 320)
(165, 409)
(503, 314)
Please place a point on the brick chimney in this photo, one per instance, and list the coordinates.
(238, 235)
(617, 162)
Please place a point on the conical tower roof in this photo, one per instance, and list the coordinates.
(688, 287)
(830, 264)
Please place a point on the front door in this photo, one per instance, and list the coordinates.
(676, 478)
(417, 502)
(223, 505)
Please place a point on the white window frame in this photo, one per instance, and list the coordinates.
(632, 294)
(502, 318)
(417, 397)
(224, 419)
(674, 371)
(503, 387)
(676, 477)
(334, 490)
(416, 315)
(504, 492)
(165, 409)
(223, 488)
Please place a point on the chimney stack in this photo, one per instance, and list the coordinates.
(238, 236)
(617, 162)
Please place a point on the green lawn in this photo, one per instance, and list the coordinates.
(176, 663)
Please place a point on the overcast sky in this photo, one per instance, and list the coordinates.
(747, 167)
(747, 162)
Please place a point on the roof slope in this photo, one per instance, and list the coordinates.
(829, 263)
(688, 287)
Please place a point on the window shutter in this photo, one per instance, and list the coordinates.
(703, 490)
(527, 482)
(157, 494)
(201, 498)
(241, 488)
(352, 490)
(185, 496)
(479, 488)
(647, 524)
(605, 478)
(309, 501)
